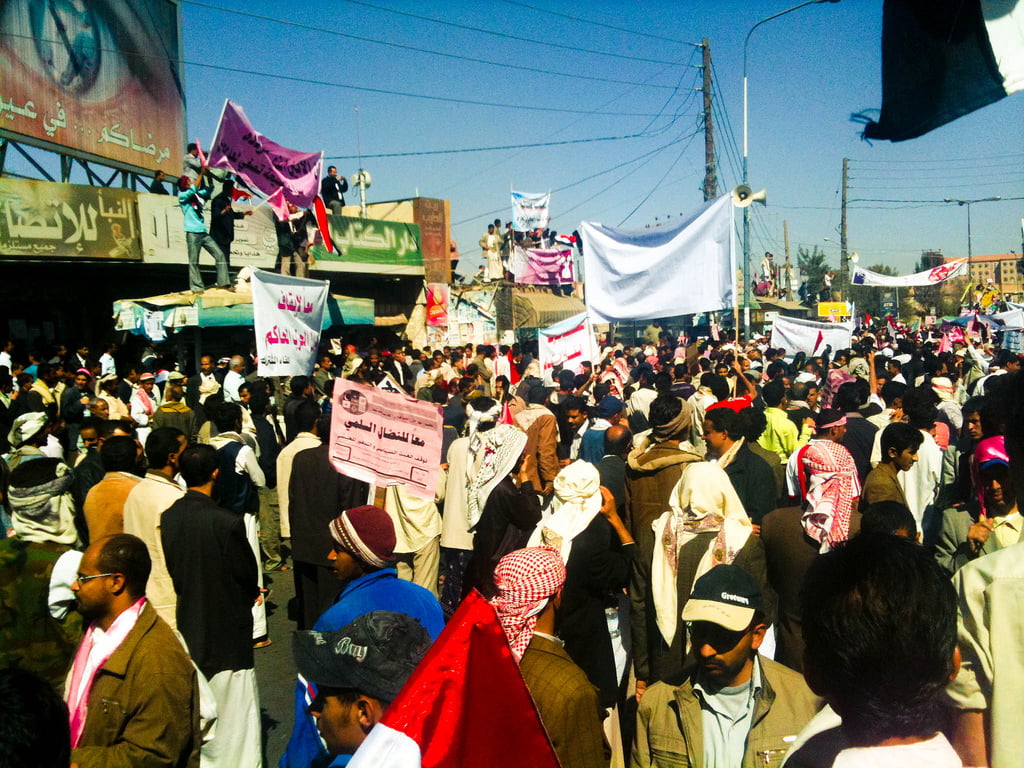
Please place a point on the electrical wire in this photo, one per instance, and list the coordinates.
(430, 51)
(576, 183)
(659, 182)
(601, 24)
(504, 35)
(364, 89)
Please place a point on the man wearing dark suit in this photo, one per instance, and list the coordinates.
(750, 475)
(317, 493)
(399, 369)
(789, 552)
(612, 467)
(333, 189)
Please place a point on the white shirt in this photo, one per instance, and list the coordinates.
(936, 752)
(106, 364)
(232, 381)
(5, 361)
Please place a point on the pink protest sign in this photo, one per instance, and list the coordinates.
(385, 439)
(264, 164)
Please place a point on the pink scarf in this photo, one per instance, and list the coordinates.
(87, 664)
(147, 402)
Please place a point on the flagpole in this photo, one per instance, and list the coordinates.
(220, 122)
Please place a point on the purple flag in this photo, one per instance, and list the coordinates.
(262, 163)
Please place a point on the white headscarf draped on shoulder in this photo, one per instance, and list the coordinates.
(492, 456)
(703, 501)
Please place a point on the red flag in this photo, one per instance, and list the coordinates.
(238, 194)
(465, 705)
(321, 223)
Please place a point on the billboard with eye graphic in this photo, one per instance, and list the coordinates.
(95, 79)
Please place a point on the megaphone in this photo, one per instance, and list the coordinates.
(362, 179)
(743, 196)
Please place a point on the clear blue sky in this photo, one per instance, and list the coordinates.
(808, 72)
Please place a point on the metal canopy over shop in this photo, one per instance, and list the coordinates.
(219, 308)
(536, 309)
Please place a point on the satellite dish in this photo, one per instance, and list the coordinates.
(362, 179)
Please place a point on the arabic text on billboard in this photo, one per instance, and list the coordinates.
(44, 219)
(371, 245)
(98, 78)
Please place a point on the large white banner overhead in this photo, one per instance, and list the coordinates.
(530, 210)
(288, 314)
(795, 334)
(662, 271)
(931, 276)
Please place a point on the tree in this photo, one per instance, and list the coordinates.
(868, 298)
(813, 267)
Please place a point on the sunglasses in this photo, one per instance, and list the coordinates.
(82, 579)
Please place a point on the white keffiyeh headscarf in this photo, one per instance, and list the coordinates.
(492, 456)
(702, 501)
(576, 502)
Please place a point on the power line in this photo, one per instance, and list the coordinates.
(571, 123)
(506, 35)
(930, 202)
(600, 24)
(663, 177)
(911, 185)
(944, 161)
(364, 89)
(430, 51)
(585, 179)
(494, 149)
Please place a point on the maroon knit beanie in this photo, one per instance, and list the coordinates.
(367, 534)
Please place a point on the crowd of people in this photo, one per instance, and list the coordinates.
(708, 553)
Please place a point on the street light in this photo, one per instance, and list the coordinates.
(746, 211)
(969, 203)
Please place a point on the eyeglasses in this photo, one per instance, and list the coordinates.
(82, 579)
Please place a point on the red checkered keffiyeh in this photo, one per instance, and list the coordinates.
(831, 489)
(526, 579)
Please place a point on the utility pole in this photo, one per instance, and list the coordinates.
(844, 263)
(710, 179)
(787, 270)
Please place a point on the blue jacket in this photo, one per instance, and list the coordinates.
(378, 591)
(191, 202)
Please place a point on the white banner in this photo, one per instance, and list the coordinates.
(288, 315)
(794, 335)
(530, 211)
(662, 271)
(932, 276)
(567, 344)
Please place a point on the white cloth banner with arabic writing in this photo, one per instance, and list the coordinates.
(530, 211)
(264, 164)
(288, 314)
(932, 276)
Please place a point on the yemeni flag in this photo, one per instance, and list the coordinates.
(466, 705)
(320, 211)
(942, 59)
